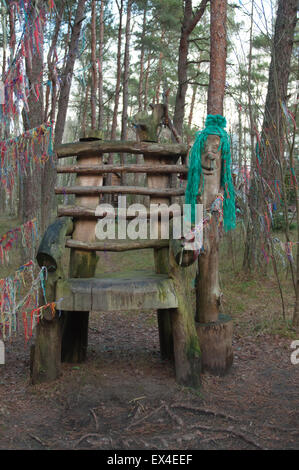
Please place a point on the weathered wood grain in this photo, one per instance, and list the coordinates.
(102, 146)
(94, 190)
(131, 292)
(99, 169)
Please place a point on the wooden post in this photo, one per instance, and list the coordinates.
(147, 126)
(82, 263)
(45, 354)
(214, 330)
(187, 351)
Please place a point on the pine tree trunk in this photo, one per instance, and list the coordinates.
(85, 109)
(161, 55)
(52, 69)
(118, 75)
(296, 309)
(94, 74)
(12, 33)
(4, 39)
(141, 75)
(124, 121)
(273, 131)
(68, 73)
(179, 110)
(272, 138)
(194, 91)
(146, 84)
(117, 87)
(214, 331)
(250, 252)
(101, 53)
(190, 20)
(31, 206)
(293, 165)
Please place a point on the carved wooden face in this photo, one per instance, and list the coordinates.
(210, 158)
(211, 168)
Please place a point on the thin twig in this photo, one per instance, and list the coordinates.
(218, 414)
(37, 439)
(229, 431)
(145, 417)
(95, 418)
(85, 437)
(173, 416)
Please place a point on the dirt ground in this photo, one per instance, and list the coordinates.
(126, 397)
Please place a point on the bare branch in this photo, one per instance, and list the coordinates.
(197, 61)
(197, 83)
(198, 14)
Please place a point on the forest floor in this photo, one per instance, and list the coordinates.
(126, 397)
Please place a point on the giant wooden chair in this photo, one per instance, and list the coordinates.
(169, 289)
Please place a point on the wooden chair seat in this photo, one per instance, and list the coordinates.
(127, 291)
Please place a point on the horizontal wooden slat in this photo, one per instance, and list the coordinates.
(94, 170)
(117, 246)
(93, 190)
(102, 146)
(134, 291)
(84, 212)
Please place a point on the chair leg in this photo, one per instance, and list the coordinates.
(74, 336)
(187, 355)
(165, 334)
(46, 353)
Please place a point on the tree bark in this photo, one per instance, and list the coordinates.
(12, 33)
(118, 76)
(190, 20)
(31, 206)
(85, 109)
(271, 146)
(194, 91)
(216, 347)
(52, 68)
(141, 75)
(124, 121)
(68, 73)
(273, 129)
(101, 54)
(117, 86)
(94, 75)
(161, 55)
(146, 83)
(102, 146)
(208, 280)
